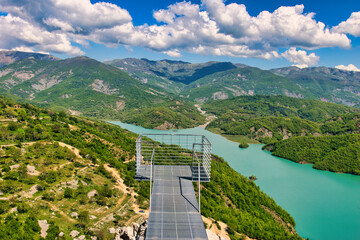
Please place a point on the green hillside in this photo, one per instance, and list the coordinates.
(172, 115)
(172, 76)
(272, 118)
(332, 153)
(242, 81)
(222, 80)
(84, 86)
(328, 84)
(58, 160)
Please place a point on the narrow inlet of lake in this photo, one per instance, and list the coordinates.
(325, 205)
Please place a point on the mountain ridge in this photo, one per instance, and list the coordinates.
(8, 56)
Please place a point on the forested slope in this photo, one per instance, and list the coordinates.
(332, 153)
(51, 163)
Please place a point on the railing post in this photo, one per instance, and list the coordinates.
(199, 182)
(151, 167)
(194, 154)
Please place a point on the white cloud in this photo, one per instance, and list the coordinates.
(300, 57)
(285, 27)
(351, 26)
(22, 49)
(213, 28)
(350, 67)
(300, 65)
(17, 32)
(173, 53)
(59, 24)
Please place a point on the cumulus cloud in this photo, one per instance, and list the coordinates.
(212, 28)
(350, 67)
(351, 25)
(52, 25)
(173, 53)
(16, 32)
(300, 57)
(286, 26)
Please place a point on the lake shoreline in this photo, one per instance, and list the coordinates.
(298, 188)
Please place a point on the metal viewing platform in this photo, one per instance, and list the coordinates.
(172, 162)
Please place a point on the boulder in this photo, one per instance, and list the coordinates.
(82, 237)
(74, 233)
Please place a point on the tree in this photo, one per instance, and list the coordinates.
(69, 193)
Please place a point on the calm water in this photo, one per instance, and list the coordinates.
(324, 205)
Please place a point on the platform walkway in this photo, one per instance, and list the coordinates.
(174, 209)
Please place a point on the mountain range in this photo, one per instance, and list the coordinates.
(163, 91)
(221, 80)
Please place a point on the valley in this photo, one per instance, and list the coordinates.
(60, 150)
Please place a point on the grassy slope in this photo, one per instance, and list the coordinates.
(238, 201)
(91, 88)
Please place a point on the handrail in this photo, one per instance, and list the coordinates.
(151, 175)
(198, 176)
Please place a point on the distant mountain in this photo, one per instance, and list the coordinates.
(84, 86)
(243, 80)
(170, 75)
(8, 57)
(222, 80)
(328, 84)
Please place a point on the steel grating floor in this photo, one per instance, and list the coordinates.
(174, 208)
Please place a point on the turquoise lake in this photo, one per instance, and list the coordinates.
(325, 205)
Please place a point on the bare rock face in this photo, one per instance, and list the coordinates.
(211, 235)
(44, 227)
(92, 193)
(137, 232)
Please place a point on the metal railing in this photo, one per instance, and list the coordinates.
(173, 149)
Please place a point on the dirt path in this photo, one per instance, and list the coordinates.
(126, 190)
(55, 208)
(209, 117)
(71, 148)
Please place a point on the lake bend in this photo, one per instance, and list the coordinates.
(325, 205)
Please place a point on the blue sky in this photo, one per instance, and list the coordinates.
(265, 34)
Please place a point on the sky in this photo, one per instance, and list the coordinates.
(263, 33)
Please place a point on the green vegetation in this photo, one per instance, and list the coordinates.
(243, 145)
(59, 160)
(176, 114)
(332, 153)
(272, 118)
(330, 84)
(288, 125)
(278, 106)
(83, 86)
(226, 198)
(244, 80)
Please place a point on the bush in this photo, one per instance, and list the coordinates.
(69, 193)
(243, 145)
